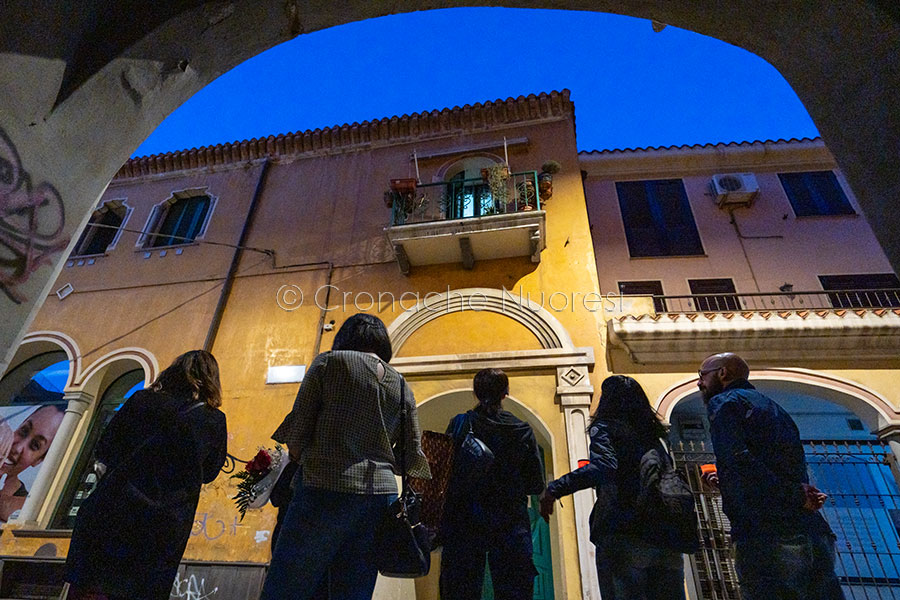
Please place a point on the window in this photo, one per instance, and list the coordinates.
(862, 291)
(32, 408)
(815, 193)
(658, 219)
(468, 194)
(178, 220)
(718, 295)
(83, 480)
(645, 288)
(102, 230)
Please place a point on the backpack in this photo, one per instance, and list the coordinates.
(666, 504)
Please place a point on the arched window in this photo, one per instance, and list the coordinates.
(102, 230)
(83, 480)
(468, 193)
(179, 220)
(31, 410)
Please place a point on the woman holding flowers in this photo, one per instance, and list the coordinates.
(161, 446)
(343, 428)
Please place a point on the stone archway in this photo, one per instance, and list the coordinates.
(874, 410)
(59, 65)
(557, 353)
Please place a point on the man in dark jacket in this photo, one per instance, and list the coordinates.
(489, 519)
(784, 547)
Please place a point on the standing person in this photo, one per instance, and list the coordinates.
(342, 430)
(784, 549)
(489, 519)
(159, 448)
(631, 563)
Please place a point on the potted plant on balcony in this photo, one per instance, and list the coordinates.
(497, 178)
(401, 197)
(545, 179)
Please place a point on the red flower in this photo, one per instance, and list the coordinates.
(260, 463)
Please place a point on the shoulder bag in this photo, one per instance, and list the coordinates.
(402, 543)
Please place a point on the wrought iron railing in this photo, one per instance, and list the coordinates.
(465, 198)
(759, 302)
(863, 509)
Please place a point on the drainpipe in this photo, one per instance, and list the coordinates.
(235, 261)
(324, 311)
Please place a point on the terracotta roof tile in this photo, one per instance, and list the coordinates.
(745, 143)
(418, 125)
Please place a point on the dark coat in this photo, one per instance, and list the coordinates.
(131, 532)
(614, 471)
(501, 502)
(761, 465)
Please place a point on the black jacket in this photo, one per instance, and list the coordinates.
(131, 532)
(517, 471)
(761, 465)
(614, 471)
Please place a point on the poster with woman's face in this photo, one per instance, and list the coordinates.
(26, 433)
(30, 416)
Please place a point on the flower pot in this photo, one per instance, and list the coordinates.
(404, 186)
(545, 185)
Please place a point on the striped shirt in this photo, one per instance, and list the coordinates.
(345, 425)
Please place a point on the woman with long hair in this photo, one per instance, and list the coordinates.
(343, 430)
(157, 451)
(631, 562)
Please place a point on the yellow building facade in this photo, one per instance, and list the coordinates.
(446, 225)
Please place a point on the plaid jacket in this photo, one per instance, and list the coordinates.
(345, 425)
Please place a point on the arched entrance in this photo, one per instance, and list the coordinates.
(845, 458)
(434, 415)
(552, 368)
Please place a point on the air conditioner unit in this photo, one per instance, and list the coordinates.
(735, 189)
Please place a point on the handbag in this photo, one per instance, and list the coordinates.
(439, 449)
(402, 545)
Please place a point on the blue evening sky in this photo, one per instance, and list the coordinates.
(631, 87)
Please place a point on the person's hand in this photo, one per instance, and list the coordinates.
(547, 501)
(711, 479)
(6, 440)
(815, 499)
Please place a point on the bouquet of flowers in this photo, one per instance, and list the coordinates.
(258, 478)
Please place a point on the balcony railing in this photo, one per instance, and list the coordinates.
(759, 302)
(465, 199)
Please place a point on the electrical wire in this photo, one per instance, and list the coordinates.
(266, 251)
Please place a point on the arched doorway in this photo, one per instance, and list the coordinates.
(434, 415)
(845, 459)
(117, 387)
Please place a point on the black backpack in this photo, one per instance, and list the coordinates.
(666, 504)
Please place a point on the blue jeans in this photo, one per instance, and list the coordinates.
(630, 569)
(790, 567)
(326, 536)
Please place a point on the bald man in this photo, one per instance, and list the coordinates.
(784, 547)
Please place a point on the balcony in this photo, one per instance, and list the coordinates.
(789, 326)
(465, 220)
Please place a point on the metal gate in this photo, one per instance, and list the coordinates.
(863, 509)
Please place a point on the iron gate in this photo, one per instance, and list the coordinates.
(863, 509)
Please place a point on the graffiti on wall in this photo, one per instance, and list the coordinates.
(213, 529)
(32, 218)
(191, 588)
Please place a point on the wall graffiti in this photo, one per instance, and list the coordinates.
(213, 529)
(32, 218)
(191, 588)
